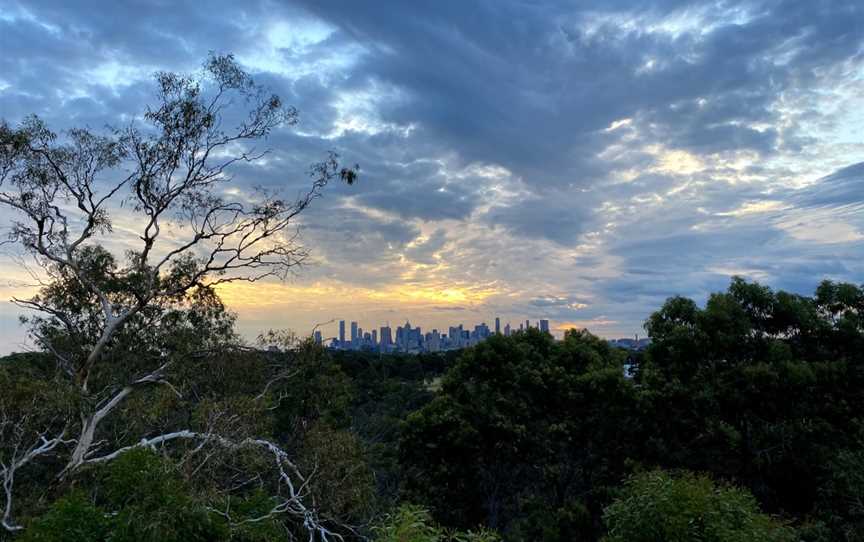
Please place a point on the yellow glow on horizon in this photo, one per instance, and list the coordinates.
(600, 321)
(439, 295)
(245, 295)
(17, 289)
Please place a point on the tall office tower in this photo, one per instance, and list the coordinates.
(353, 331)
(544, 326)
(455, 335)
(360, 333)
(459, 336)
(374, 337)
(434, 344)
(386, 337)
(527, 325)
(413, 337)
(507, 329)
(342, 333)
(521, 326)
(497, 326)
(318, 339)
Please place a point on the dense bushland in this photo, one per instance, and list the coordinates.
(743, 421)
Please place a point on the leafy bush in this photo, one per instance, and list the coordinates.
(414, 524)
(153, 504)
(73, 517)
(139, 499)
(659, 507)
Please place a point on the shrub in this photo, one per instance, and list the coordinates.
(659, 507)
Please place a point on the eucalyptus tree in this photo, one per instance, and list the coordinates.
(120, 322)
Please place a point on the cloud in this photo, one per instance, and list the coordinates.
(424, 250)
(527, 159)
(842, 188)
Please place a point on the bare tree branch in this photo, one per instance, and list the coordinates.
(21, 455)
(291, 504)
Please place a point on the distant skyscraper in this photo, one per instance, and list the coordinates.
(386, 337)
(353, 331)
(497, 326)
(374, 337)
(433, 344)
(527, 325)
(411, 338)
(456, 336)
(318, 339)
(507, 329)
(544, 326)
(341, 332)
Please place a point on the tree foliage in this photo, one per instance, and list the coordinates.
(758, 388)
(414, 524)
(497, 443)
(658, 507)
(132, 333)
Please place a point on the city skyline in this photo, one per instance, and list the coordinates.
(351, 335)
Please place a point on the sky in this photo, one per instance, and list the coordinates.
(576, 161)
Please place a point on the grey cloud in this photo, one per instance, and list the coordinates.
(841, 188)
(411, 197)
(555, 217)
(529, 87)
(548, 301)
(424, 252)
(465, 91)
(358, 235)
(562, 304)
